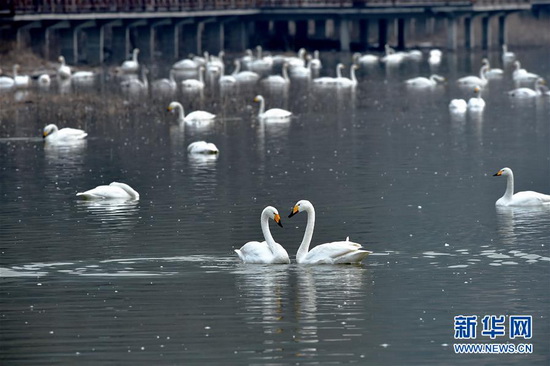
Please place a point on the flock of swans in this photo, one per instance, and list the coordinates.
(199, 73)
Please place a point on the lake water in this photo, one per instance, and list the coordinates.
(157, 282)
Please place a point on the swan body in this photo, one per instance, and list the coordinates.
(526, 198)
(492, 73)
(53, 135)
(391, 57)
(476, 103)
(131, 66)
(6, 82)
(273, 114)
(83, 77)
(521, 75)
(329, 81)
(365, 60)
(422, 82)
(63, 71)
(268, 251)
(277, 80)
(338, 252)
(302, 72)
(136, 87)
(458, 106)
(202, 147)
(415, 55)
(114, 190)
(344, 82)
(298, 60)
(524, 93)
(435, 57)
(472, 81)
(261, 65)
(194, 84)
(244, 77)
(165, 86)
(315, 63)
(193, 117)
(44, 80)
(20, 81)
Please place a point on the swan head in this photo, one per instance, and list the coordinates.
(503, 172)
(477, 89)
(49, 129)
(485, 61)
(61, 59)
(258, 98)
(173, 105)
(273, 214)
(299, 206)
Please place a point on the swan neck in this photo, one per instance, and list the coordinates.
(135, 56)
(201, 77)
(352, 74)
(509, 187)
(262, 107)
(267, 233)
(285, 73)
(181, 113)
(306, 241)
(237, 68)
(338, 71)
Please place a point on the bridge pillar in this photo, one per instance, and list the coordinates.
(485, 32)
(78, 55)
(382, 33)
(139, 36)
(468, 33)
(180, 37)
(452, 33)
(401, 30)
(94, 45)
(120, 40)
(66, 40)
(161, 39)
(344, 32)
(22, 35)
(502, 34)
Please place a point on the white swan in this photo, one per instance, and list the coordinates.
(507, 56)
(330, 81)
(422, 82)
(338, 252)
(435, 57)
(202, 147)
(131, 66)
(521, 75)
(472, 81)
(415, 55)
(53, 135)
(273, 114)
(261, 65)
(391, 57)
(526, 198)
(315, 63)
(83, 77)
(268, 251)
(115, 190)
(244, 77)
(226, 82)
(365, 60)
(165, 86)
(6, 82)
(44, 80)
(344, 82)
(277, 81)
(458, 106)
(524, 93)
(194, 84)
(302, 72)
(492, 73)
(21, 81)
(136, 87)
(476, 103)
(63, 71)
(196, 116)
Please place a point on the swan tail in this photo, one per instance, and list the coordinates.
(355, 256)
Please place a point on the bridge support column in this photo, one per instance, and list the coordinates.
(140, 37)
(94, 45)
(502, 34)
(452, 33)
(382, 33)
(120, 39)
(468, 33)
(344, 32)
(65, 41)
(485, 32)
(179, 37)
(364, 33)
(22, 35)
(161, 38)
(401, 30)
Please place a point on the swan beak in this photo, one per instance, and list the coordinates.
(256, 100)
(498, 174)
(44, 135)
(295, 210)
(277, 219)
(169, 109)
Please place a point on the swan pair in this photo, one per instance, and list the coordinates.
(270, 252)
(475, 104)
(520, 199)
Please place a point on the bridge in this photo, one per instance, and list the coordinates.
(98, 31)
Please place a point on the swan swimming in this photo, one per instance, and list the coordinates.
(458, 106)
(338, 252)
(476, 103)
(273, 114)
(475, 80)
(422, 82)
(202, 147)
(67, 135)
(114, 190)
(524, 93)
(131, 66)
(63, 71)
(268, 251)
(526, 198)
(196, 116)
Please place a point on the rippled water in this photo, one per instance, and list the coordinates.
(157, 282)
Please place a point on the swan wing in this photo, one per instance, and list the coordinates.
(255, 252)
(199, 116)
(336, 252)
(70, 134)
(530, 198)
(277, 112)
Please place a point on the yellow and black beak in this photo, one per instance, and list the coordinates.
(44, 134)
(498, 174)
(277, 219)
(169, 109)
(295, 210)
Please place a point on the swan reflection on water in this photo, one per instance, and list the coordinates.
(514, 222)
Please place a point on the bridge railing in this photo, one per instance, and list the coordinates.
(80, 6)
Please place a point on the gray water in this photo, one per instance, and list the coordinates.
(157, 281)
